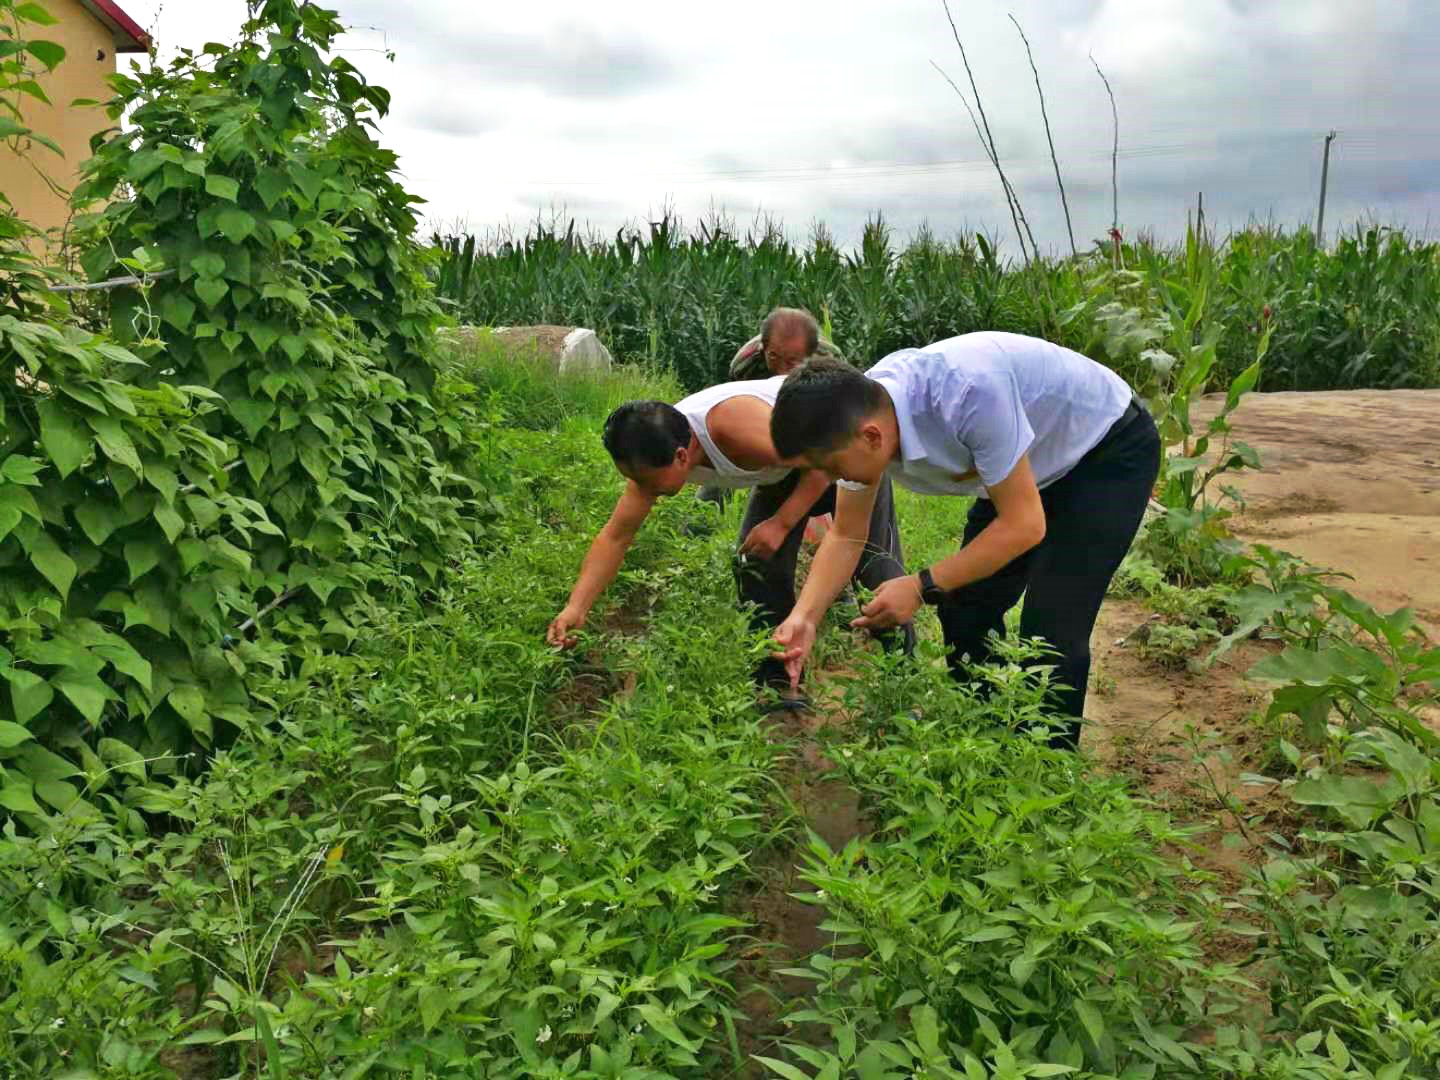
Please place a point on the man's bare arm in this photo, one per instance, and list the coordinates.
(1019, 525)
(602, 562)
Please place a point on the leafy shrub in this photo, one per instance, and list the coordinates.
(264, 422)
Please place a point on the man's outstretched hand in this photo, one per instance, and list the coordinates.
(895, 603)
(796, 638)
(562, 627)
(765, 539)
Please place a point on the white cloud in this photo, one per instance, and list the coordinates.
(817, 110)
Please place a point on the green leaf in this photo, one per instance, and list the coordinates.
(126, 660)
(926, 1024)
(211, 290)
(434, 1001)
(253, 415)
(162, 479)
(86, 692)
(271, 186)
(12, 735)
(662, 1022)
(236, 224)
(208, 264)
(29, 694)
(98, 519)
(992, 933)
(977, 997)
(1340, 791)
(116, 444)
(64, 437)
(9, 517)
(272, 1050)
(1022, 967)
(1310, 666)
(178, 310)
(171, 523)
(47, 52)
(122, 757)
(193, 553)
(189, 702)
(141, 556)
(307, 180)
(222, 187)
(1241, 385)
(226, 552)
(36, 14)
(1090, 1017)
(790, 1072)
(263, 334)
(59, 569)
(18, 469)
(40, 764)
(16, 795)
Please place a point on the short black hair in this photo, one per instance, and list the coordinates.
(645, 434)
(821, 405)
(789, 320)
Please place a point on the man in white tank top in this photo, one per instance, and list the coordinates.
(719, 436)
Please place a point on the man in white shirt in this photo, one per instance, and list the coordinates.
(1055, 446)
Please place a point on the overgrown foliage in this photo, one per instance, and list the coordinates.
(262, 422)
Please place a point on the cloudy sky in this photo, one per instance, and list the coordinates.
(612, 109)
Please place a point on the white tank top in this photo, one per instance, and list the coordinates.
(723, 472)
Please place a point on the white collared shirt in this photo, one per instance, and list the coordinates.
(969, 407)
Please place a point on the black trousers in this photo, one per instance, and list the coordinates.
(1091, 517)
(769, 584)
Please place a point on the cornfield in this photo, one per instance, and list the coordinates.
(1364, 313)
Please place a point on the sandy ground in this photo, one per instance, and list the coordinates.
(1351, 481)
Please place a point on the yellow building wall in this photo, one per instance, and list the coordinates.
(89, 58)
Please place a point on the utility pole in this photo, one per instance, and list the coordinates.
(1324, 180)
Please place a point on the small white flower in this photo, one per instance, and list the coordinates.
(819, 894)
(637, 1029)
(847, 753)
(543, 1036)
(561, 848)
(369, 1012)
(58, 1022)
(626, 880)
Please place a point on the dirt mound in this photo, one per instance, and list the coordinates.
(1351, 481)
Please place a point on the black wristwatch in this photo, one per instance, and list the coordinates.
(929, 591)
